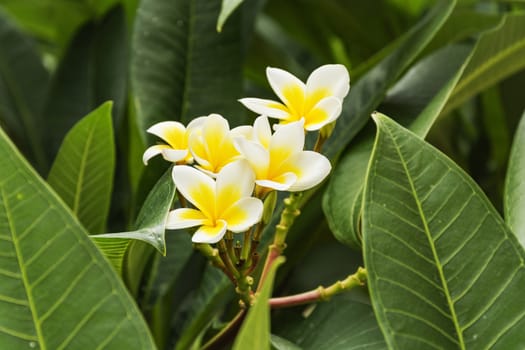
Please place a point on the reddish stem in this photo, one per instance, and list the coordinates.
(294, 300)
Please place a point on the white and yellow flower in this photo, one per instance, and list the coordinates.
(220, 205)
(211, 143)
(279, 161)
(176, 147)
(318, 102)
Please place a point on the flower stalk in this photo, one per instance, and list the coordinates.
(321, 293)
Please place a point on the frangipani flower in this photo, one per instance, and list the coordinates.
(318, 102)
(279, 161)
(211, 143)
(222, 204)
(176, 149)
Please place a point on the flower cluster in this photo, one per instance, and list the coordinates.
(236, 168)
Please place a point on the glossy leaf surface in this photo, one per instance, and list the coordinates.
(56, 288)
(444, 270)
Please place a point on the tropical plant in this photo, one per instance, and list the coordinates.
(320, 175)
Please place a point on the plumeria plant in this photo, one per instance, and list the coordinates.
(229, 194)
(196, 174)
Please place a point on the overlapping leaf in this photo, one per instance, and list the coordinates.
(92, 71)
(367, 93)
(444, 270)
(56, 289)
(255, 331)
(183, 68)
(82, 173)
(23, 87)
(498, 53)
(342, 323)
(514, 199)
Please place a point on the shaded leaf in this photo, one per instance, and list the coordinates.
(255, 330)
(212, 294)
(444, 270)
(368, 92)
(514, 198)
(173, 74)
(56, 287)
(498, 53)
(279, 343)
(82, 174)
(23, 86)
(416, 101)
(151, 224)
(340, 324)
(92, 71)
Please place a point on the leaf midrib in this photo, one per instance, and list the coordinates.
(23, 273)
(422, 215)
(83, 161)
(502, 55)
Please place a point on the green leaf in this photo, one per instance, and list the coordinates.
(340, 324)
(212, 294)
(173, 73)
(279, 343)
(82, 174)
(444, 270)
(514, 198)
(151, 225)
(255, 330)
(92, 71)
(498, 54)
(227, 8)
(416, 101)
(56, 288)
(23, 86)
(368, 92)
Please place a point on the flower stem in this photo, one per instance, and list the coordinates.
(288, 215)
(214, 256)
(322, 293)
(222, 338)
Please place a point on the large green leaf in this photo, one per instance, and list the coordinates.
(498, 53)
(368, 92)
(183, 68)
(56, 289)
(416, 101)
(444, 270)
(255, 330)
(82, 173)
(23, 87)
(340, 324)
(92, 71)
(514, 199)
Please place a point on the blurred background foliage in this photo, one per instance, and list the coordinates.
(60, 59)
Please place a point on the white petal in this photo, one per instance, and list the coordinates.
(170, 131)
(333, 77)
(280, 183)
(174, 155)
(289, 89)
(196, 123)
(324, 112)
(210, 234)
(183, 218)
(245, 131)
(266, 107)
(196, 187)
(235, 181)
(262, 131)
(153, 151)
(256, 155)
(243, 214)
(288, 139)
(310, 167)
